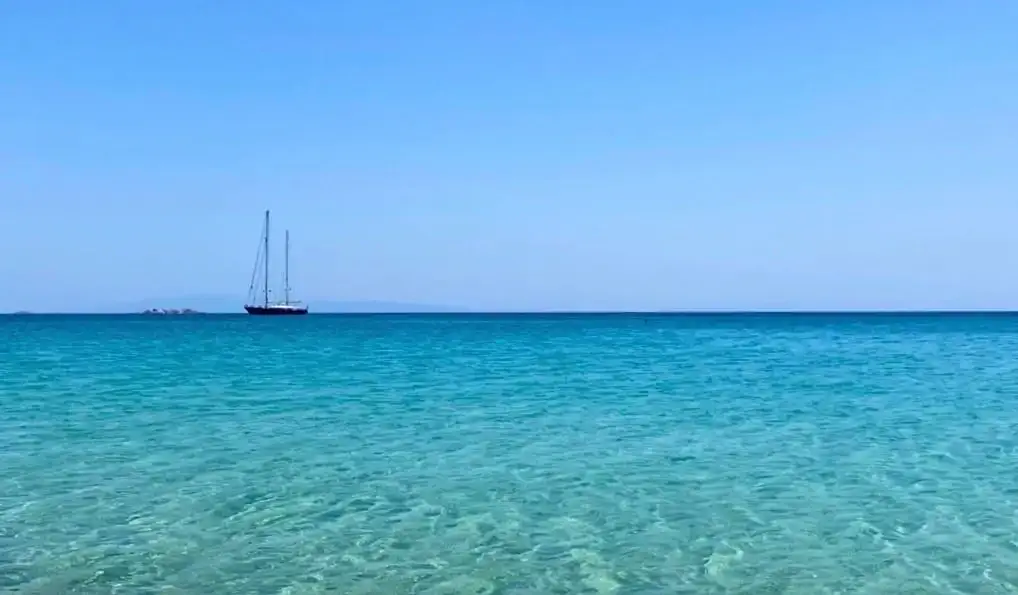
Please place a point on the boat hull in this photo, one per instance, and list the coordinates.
(274, 311)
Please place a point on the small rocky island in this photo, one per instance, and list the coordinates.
(170, 311)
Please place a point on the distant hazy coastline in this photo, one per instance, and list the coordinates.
(228, 305)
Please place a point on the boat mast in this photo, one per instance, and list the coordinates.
(286, 271)
(266, 258)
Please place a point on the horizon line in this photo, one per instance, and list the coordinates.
(691, 312)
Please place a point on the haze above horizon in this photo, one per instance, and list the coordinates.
(523, 156)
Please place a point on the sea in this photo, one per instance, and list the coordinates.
(628, 454)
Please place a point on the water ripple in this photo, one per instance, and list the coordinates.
(509, 455)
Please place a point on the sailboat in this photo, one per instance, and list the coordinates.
(267, 308)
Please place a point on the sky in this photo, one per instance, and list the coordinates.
(518, 155)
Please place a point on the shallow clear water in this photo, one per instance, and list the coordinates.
(509, 455)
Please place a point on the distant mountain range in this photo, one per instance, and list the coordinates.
(227, 304)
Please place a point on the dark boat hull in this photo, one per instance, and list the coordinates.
(274, 311)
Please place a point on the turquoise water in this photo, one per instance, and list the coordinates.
(509, 455)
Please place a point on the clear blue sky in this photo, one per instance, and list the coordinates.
(514, 155)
